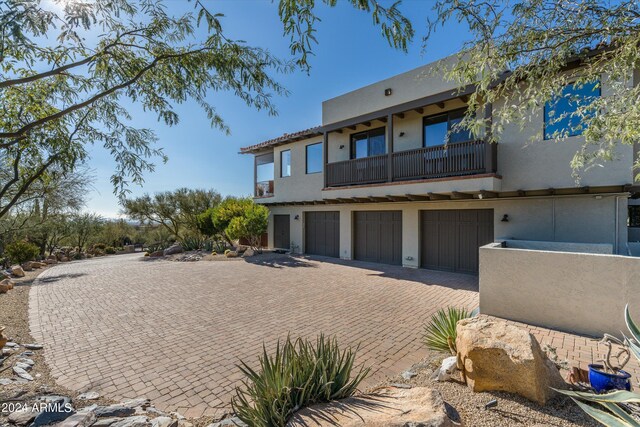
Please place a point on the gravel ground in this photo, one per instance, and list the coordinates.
(14, 316)
(511, 410)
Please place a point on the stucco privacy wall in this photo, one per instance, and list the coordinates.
(529, 219)
(590, 248)
(574, 292)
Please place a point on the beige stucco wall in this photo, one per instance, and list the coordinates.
(414, 84)
(527, 161)
(575, 292)
(300, 186)
(529, 219)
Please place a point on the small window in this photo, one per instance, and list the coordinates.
(285, 163)
(368, 143)
(634, 215)
(314, 158)
(560, 118)
(441, 128)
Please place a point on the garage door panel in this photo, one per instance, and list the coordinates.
(378, 236)
(322, 233)
(450, 238)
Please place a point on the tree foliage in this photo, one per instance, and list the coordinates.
(251, 224)
(68, 71)
(522, 54)
(177, 211)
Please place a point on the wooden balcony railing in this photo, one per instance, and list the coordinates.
(358, 171)
(463, 158)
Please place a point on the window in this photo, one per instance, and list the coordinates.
(314, 157)
(440, 129)
(264, 175)
(367, 144)
(560, 119)
(634, 215)
(285, 163)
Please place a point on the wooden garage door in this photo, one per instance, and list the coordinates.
(449, 239)
(322, 233)
(281, 230)
(378, 236)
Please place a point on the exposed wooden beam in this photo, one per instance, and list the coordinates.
(400, 115)
(440, 105)
(362, 199)
(319, 202)
(398, 198)
(352, 127)
(367, 124)
(521, 193)
(464, 98)
(339, 131)
(345, 200)
(417, 197)
(332, 201)
(551, 191)
(419, 110)
(379, 199)
(383, 119)
(434, 196)
(459, 195)
(488, 194)
(585, 189)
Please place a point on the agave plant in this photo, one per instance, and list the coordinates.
(614, 409)
(299, 374)
(440, 332)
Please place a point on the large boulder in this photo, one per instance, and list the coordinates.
(495, 355)
(173, 249)
(27, 266)
(247, 253)
(17, 271)
(5, 286)
(156, 254)
(390, 407)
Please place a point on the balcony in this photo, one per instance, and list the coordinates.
(459, 159)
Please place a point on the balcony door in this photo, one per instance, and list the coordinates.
(439, 136)
(369, 143)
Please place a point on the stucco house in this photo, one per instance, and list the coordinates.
(381, 181)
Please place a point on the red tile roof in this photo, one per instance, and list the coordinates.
(283, 139)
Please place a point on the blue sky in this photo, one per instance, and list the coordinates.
(351, 53)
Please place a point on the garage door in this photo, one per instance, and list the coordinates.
(281, 232)
(378, 236)
(449, 239)
(322, 233)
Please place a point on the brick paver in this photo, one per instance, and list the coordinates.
(175, 332)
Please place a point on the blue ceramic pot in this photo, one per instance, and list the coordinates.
(602, 381)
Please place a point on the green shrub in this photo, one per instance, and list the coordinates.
(21, 251)
(440, 332)
(193, 243)
(299, 374)
(109, 250)
(99, 247)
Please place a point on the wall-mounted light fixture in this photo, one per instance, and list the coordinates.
(401, 134)
(297, 217)
(388, 92)
(505, 218)
(342, 147)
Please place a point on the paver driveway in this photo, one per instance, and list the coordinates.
(174, 331)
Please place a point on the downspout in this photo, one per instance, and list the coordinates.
(616, 240)
(553, 218)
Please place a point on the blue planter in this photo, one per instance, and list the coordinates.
(603, 382)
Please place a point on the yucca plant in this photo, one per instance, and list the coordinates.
(192, 243)
(299, 374)
(617, 404)
(440, 333)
